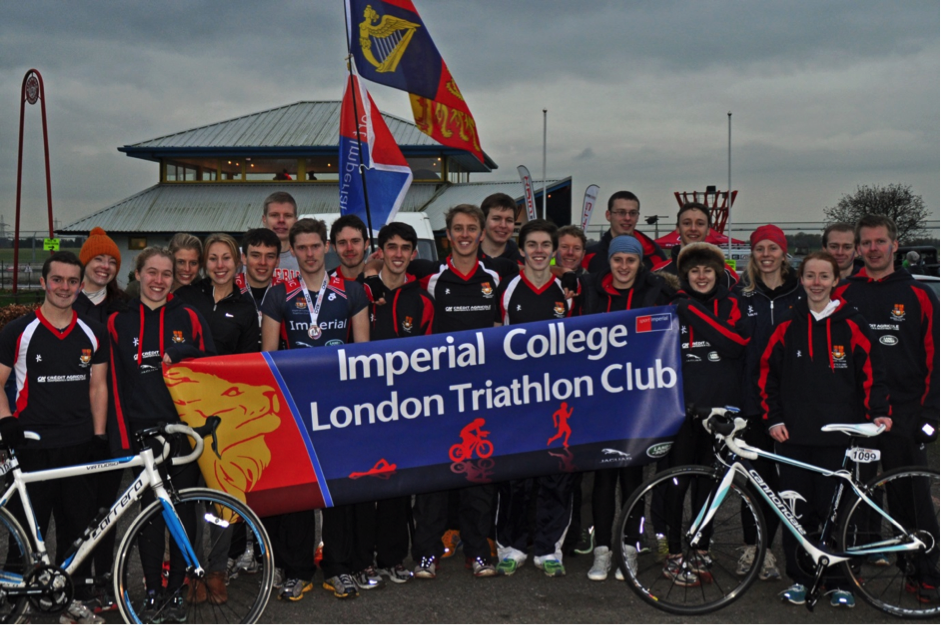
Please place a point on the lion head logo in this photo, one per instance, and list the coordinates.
(248, 412)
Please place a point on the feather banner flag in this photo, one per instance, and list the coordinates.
(391, 46)
(386, 171)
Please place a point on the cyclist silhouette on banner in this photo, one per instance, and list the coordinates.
(473, 438)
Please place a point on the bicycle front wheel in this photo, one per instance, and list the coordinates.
(902, 583)
(148, 560)
(672, 574)
(15, 561)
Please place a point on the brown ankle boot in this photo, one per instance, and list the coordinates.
(195, 591)
(216, 591)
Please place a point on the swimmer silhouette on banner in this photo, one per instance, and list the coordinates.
(436, 412)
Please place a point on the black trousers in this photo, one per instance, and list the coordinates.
(910, 502)
(604, 501)
(70, 501)
(153, 537)
(475, 521)
(355, 534)
(292, 541)
(813, 494)
(553, 513)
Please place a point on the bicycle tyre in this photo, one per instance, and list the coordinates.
(17, 559)
(910, 495)
(248, 595)
(719, 583)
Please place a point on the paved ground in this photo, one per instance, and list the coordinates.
(529, 597)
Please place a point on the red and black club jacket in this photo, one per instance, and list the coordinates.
(463, 302)
(596, 256)
(648, 289)
(408, 311)
(52, 372)
(816, 372)
(139, 338)
(902, 314)
(522, 302)
(713, 340)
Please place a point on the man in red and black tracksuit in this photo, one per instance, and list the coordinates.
(535, 295)
(623, 213)
(903, 318)
(464, 288)
(60, 364)
(409, 311)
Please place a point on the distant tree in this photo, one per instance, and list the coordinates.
(897, 201)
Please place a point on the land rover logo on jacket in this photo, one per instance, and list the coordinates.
(888, 340)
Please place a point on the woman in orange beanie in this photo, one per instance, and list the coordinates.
(100, 296)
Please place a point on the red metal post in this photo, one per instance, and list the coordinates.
(31, 92)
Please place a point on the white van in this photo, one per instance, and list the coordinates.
(426, 238)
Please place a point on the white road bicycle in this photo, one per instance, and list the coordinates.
(29, 577)
(883, 533)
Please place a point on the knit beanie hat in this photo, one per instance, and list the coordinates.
(696, 254)
(769, 233)
(625, 244)
(99, 243)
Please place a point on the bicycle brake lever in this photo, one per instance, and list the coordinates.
(215, 439)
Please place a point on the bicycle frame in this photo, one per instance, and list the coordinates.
(742, 466)
(149, 477)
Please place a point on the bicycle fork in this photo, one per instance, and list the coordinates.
(708, 511)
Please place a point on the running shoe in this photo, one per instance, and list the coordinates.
(367, 579)
(796, 594)
(342, 585)
(601, 566)
(426, 568)
(507, 566)
(630, 559)
(842, 599)
(769, 568)
(553, 568)
(700, 563)
(103, 601)
(150, 610)
(878, 559)
(397, 574)
(278, 579)
(746, 561)
(294, 589)
(663, 547)
(586, 542)
(175, 609)
(483, 568)
(78, 612)
(216, 591)
(675, 569)
(451, 541)
(924, 592)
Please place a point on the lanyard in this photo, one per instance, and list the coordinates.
(314, 331)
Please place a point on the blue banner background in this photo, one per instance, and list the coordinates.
(611, 427)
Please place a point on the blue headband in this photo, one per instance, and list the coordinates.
(625, 244)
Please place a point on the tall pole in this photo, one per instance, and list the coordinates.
(544, 191)
(728, 222)
(354, 89)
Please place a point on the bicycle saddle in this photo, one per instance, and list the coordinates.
(854, 429)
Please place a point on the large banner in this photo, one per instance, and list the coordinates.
(349, 423)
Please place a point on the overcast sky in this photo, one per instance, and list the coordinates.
(825, 96)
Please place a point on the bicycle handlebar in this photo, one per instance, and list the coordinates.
(719, 424)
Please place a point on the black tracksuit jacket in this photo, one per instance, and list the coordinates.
(813, 373)
(139, 338)
(903, 319)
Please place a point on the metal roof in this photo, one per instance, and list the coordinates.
(222, 207)
(303, 126)
(476, 192)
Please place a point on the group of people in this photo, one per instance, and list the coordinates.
(795, 349)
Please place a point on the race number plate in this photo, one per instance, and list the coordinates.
(862, 455)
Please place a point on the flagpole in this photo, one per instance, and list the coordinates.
(359, 143)
(544, 193)
(729, 199)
